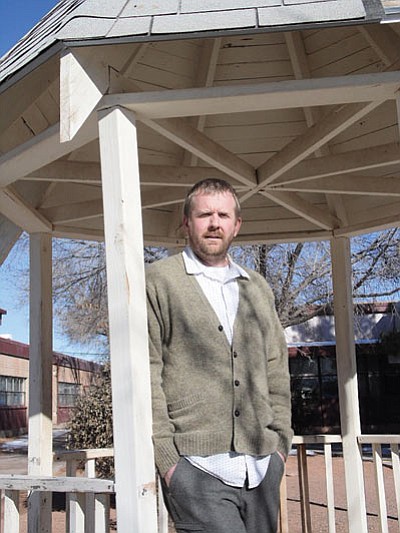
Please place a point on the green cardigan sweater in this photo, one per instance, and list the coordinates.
(209, 397)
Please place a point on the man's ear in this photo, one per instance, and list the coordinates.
(238, 225)
(185, 223)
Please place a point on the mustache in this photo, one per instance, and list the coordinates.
(217, 234)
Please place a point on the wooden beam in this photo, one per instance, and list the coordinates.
(9, 234)
(18, 211)
(331, 125)
(180, 132)
(159, 197)
(130, 368)
(346, 184)
(301, 207)
(40, 444)
(77, 232)
(42, 150)
(347, 383)
(354, 161)
(68, 213)
(83, 81)
(89, 173)
(263, 96)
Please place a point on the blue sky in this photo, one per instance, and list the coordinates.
(18, 17)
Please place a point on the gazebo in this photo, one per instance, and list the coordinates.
(110, 110)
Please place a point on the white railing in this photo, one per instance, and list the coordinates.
(88, 498)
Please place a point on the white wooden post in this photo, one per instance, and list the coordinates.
(40, 458)
(130, 372)
(347, 383)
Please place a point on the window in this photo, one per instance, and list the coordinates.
(68, 394)
(12, 391)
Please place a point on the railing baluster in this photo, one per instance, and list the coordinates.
(329, 488)
(90, 471)
(162, 511)
(283, 510)
(11, 511)
(304, 488)
(394, 452)
(101, 513)
(380, 487)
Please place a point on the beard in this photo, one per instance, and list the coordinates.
(211, 246)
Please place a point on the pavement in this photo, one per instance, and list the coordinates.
(14, 453)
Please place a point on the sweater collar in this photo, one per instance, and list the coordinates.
(193, 265)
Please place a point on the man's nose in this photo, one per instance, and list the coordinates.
(214, 221)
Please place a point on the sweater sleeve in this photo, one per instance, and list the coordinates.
(279, 380)
(166, 454)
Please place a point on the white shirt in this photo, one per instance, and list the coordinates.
(221, 289)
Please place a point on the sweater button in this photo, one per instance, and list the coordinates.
(235, 354)
(237, 383)
(220, 328)
(237, 412)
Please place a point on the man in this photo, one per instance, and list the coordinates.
(220, 382)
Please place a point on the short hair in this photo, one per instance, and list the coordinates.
(210, 186)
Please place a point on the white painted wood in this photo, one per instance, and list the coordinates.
(180, 132)
(17, 98)
(56, 484)
(71, 171)
(83, 81)
(90, 472)
(347, 383)
(380, 488)
(11, 511)
(354, 161)
(298, 205)
(394, 453)
(162, 510)
(134, 461)
(346, 184)
(304, 489)
(41, 150)
(331, 125)
(384, 40)
(18, 211)
(101, 513)
(330, 494)
(9, 234)
(254, 97)
(74, 212)
(76, 515)
(40, 378)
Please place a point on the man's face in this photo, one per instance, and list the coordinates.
(211, 227)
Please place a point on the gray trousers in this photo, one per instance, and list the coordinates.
(198, 501)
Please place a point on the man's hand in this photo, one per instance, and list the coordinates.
(281, 456)
(169, 474)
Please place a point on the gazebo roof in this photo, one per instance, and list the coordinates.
(293, 102)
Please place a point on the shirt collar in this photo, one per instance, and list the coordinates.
(193, 265)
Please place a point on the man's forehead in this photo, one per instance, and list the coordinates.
(205, 198)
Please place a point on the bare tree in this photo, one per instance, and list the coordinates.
(299, 274)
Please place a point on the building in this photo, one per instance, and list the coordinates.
(312, 351)
(70, 377)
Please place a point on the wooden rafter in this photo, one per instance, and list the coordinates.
(9, 234)
(384, 40)
(353, 161)
(18, 211)
(259, 97)
(346, 184)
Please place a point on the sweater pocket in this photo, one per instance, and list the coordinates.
(188, 413)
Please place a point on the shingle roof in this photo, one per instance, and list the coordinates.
(85, 20)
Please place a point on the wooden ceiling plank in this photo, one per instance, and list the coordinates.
(162, 197)
(256, 97)
(17, 99)
(41, 150)
(384, 40)
(329, 127)
(347, 184)
(301, 207)
(68, 171)
(18, 211)
(180, 132)
(354, 161)
(68, 213)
